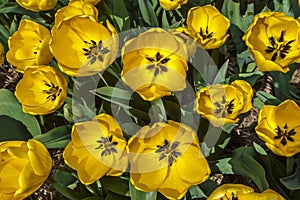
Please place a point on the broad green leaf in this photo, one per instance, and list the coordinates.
(67, 192)
(114, 196)
(139, 195)
(293, 182)
(57, 137)
(224, 166)
(221, 75)
(251, 78)
(267, 98)
(259, 149)
(196, 192)
(94, 198)
(9, 106)
(117, 185)
(148, 13)
(120, 15)
(114, 92)
(12, 129)
(13, 7)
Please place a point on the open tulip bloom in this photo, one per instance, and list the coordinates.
(172, 4)
(273, 39)
(160, 159)
(37, 5)
(279, 127)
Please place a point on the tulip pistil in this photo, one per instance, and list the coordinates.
(223, 107)
(205, 35)
(158, 63)
(279, 47)
(284, 134)
(53, 91)
(168, 151)
(107, 145)
(95, 51)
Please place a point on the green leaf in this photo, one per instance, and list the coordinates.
(259, 149)
(93, 198)
(267, 98)
(67, 192)
(114, 92)
(120, 15)
(57, 137)
(224, 166)
(196, 192)
(114, 196)
(139, 195)
(12, 129)
(243, 163)
(293, 182)
(9, 106)
(13, 7)
(221, 75)
(117, 185)
(148, 12)
(251, 78)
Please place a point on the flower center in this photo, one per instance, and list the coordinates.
(284, 134)
(95, 51)
(53, 91)
(223, 107)
(158, 64)
(36, 47)
(279, 47)
(205, 35)
(231, 196)
(168, 151)
(106, 145)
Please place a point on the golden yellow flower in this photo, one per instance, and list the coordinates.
(222, 103)
(279, 127)
(242, 192)
(29, 45)
(84, 47)
(94, 2)
(2, 54)
(172, 4)
(207, 26)
(97, 148)
(75, 8)
(37, 5)
(155, 63)
(166, 157)
(42, 90)
(24, 167)
(273, 39)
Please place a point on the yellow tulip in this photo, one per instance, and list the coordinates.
(37, 5)
(94, 2)
(29, 45)
(2, 54)
(242, 192)
(166, 157)
(279, 127)
(97, 149)
(172, 4)
(82, 46)
(273, 39)
(42, 90)
(75, 8)
(207, 26)
(155, 63)
(24, 167)
(222, 103)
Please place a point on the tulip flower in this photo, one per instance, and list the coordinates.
(24, 167)
(279, 127)
(37, 5)
(222, 103)
(1, 54)
(155, 63)
(82, 46)
(207, 26)
(42, 90)
(172, 4)
(29, 45)
(94, 2)
(75, 8)
(166, 157)
(97, 149)
(273, 39)
(242, 192)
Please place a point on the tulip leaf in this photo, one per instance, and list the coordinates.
(147, 11)
(224, 166)
(94, 198)
(140, 195)
(9, 106)
(12, 129)
(57, 137)
(120, 15)
(293, 182)
(67, 192)
(13, 7)
(114, 196)
(259, 149)
(267, 98)
(221, 75)
(251, 78)
(196, 192)
(117, 185)
(243, 163)
(114, 92)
